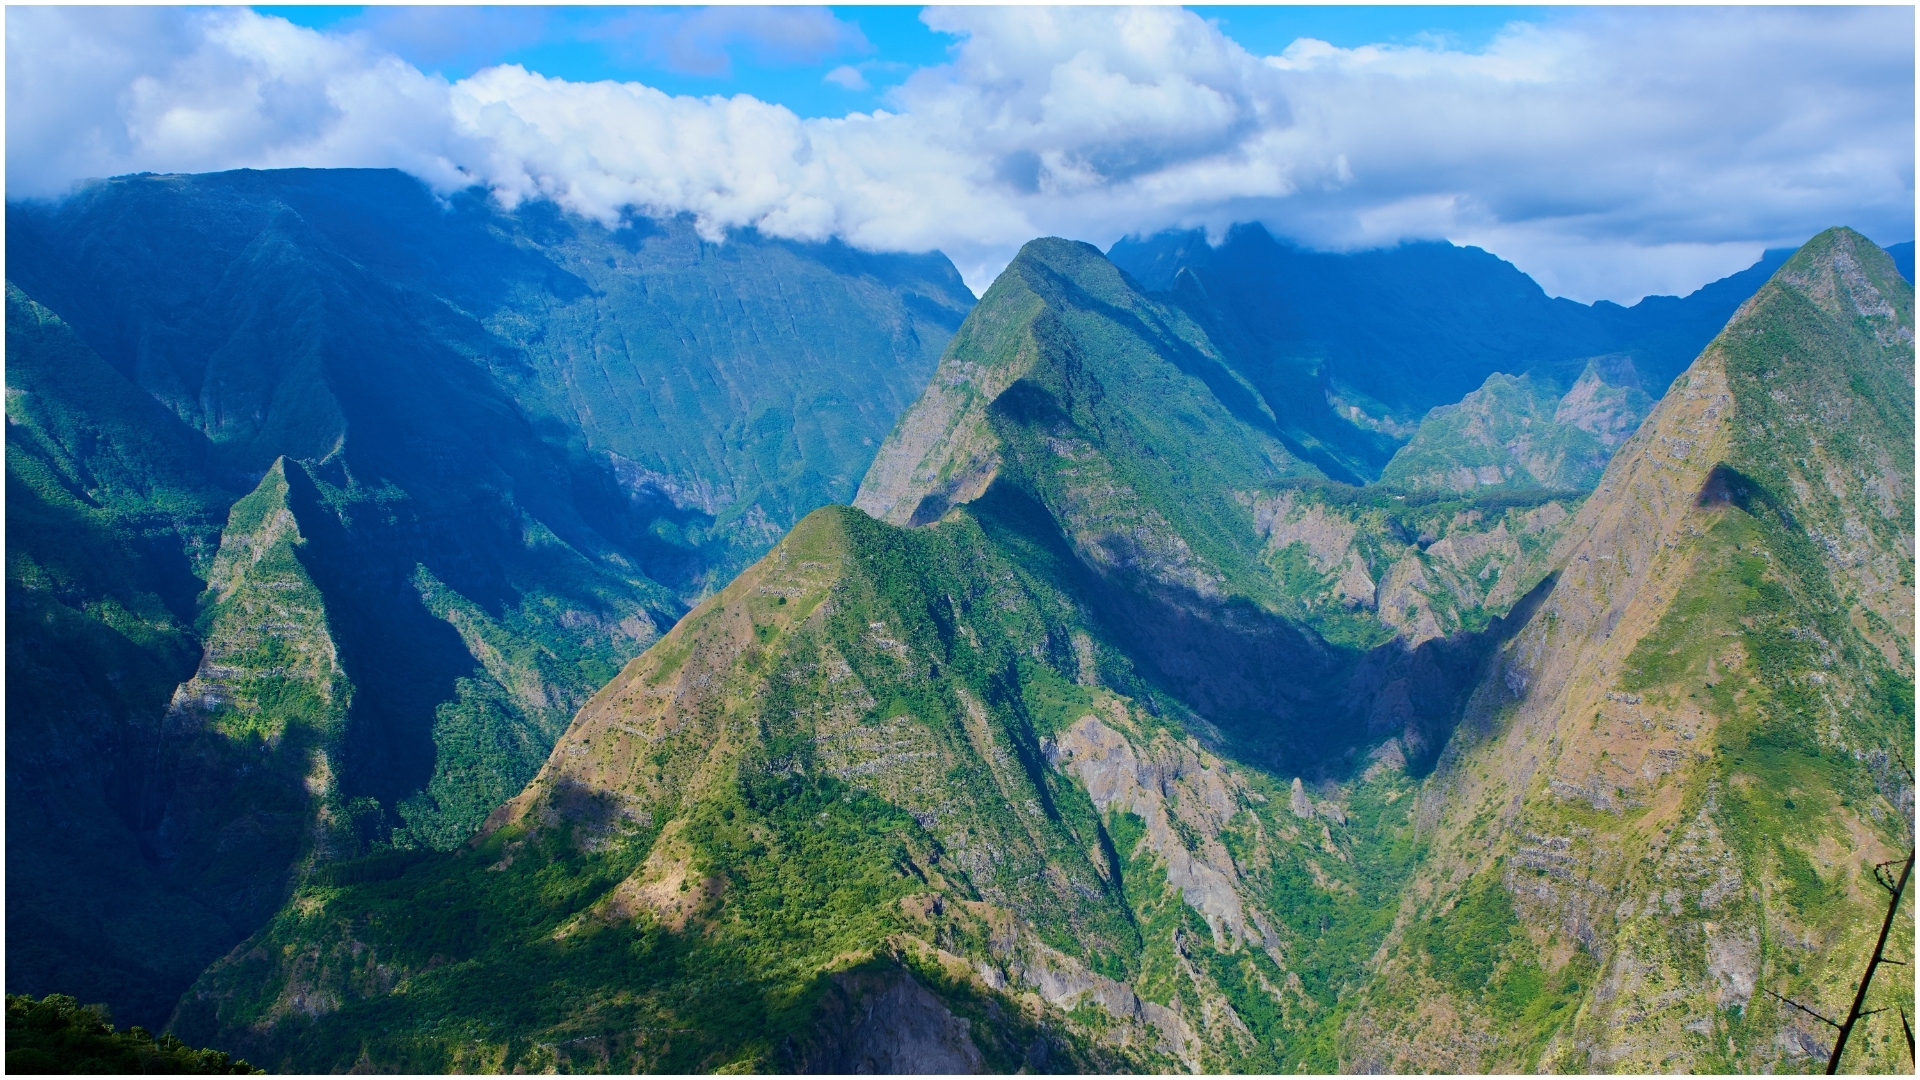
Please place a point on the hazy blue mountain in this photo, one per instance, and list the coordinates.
(1386, 335)
(467, 463)
(722, 390)
(1902, 259)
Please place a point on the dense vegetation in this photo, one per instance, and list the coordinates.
(57, 1035)
(1520, 433)
(807, 848)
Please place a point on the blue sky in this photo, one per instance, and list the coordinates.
(886, 43)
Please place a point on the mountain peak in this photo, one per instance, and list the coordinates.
(1844, 274)
(1057, 252)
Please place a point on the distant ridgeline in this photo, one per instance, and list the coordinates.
(1392, 333)
(343, 519)
(1108, 732)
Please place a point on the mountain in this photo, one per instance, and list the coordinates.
(1016, 726)
(331, 502)
(719, 390)
(1386, 335)
(984, 777)
(1178, 488)
(1902, 255)
(1523, 432)
(1114, 728)
(1669, 792)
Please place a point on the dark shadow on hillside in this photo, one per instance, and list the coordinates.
(1728, 486)
(1286, 699)
(403, 661)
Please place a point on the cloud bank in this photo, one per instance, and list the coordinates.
(1610, 153)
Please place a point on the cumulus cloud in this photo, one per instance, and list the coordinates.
(96, 92)
(1610, 153)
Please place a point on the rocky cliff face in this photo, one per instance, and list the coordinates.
(1671, 789)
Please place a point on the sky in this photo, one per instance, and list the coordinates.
(1610, 152)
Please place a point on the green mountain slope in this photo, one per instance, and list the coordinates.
(1669, 793)
(884, 801)
(1213, 546)
(1523, 432)
(244, 743)
(513, 448)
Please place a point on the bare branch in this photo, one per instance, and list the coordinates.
(1834, 1024)
(1873, 964)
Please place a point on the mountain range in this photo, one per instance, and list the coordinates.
(1116, 725)
(944, 786)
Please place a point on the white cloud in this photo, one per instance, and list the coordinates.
(847, 77)
(1611, 153)
(153, 89)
